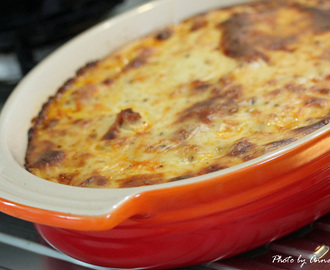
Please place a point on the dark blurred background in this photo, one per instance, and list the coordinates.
(30, 30)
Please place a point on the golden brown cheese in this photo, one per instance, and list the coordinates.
(211, 92)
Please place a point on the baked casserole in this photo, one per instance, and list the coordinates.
(198, 96)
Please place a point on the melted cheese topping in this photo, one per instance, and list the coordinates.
(206, 94)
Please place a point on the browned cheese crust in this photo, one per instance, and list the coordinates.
(209, 93)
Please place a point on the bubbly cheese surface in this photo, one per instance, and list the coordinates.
(211, 92)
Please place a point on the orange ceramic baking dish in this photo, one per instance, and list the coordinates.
(167, 225)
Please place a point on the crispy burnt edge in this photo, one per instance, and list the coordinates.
(305, 130)
(39, 119)
(197, 21)
(240, 42)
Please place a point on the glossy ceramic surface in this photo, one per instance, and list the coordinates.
(194, 233)
(163, 245)
(161, 226)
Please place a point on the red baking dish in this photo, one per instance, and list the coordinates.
(176, 224)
